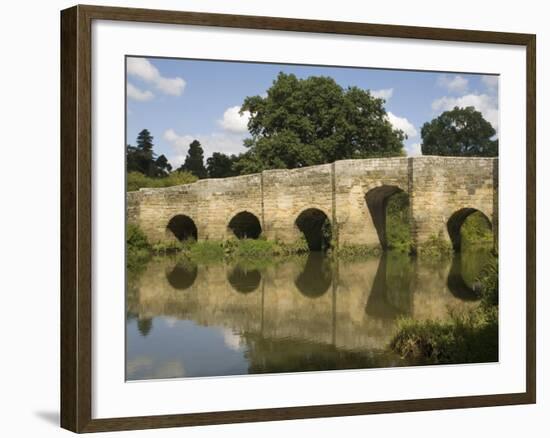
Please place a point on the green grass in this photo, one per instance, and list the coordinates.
(300, 246)
(139, 250)
(488, 280)
(137, 180)
(350, 251)
(466, 338)
(206, 251)
(171, 246)
(250, 248)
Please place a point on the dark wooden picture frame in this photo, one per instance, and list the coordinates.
(76, 217)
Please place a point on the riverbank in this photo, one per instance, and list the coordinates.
(466, 337)
(139, 250)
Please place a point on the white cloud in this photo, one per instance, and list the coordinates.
(172, 86)
(490, 81)
(384, 93)
(403, 124)
(232, 121)
(483, 103)
(414, 150)
(135, 93)
(454, 84)
(231, 340)
(228, 143)
(143, 69)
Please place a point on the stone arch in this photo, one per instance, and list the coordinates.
(455, 222)
(377, 201)
(315, 226)
(182, 227)
(244, 280)
(245, 225)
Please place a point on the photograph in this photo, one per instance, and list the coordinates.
(292, 218)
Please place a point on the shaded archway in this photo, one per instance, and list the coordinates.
(315, 226)
(182, 275)
(316, 276)
(377, 203)
(244, 280)
(182, 227)
(245, 225)
(455, 222)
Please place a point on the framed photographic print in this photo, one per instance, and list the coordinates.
(270, 218)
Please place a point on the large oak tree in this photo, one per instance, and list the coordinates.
(302, 122)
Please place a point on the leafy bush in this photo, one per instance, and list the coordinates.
(138, 250)
(476, 230)
(466, 338)
(206, 250)
(300, 246)
(488, 280)
(398, 233)
(250, 248)
(171, 246)
(351, 251)
(137, 180)
(435, 247)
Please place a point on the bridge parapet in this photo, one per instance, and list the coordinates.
(351, 193)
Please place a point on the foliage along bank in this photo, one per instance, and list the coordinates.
(465, 337)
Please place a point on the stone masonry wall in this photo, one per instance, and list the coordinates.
(287, 193)
(437, 186)
(445, 185)
(210, 203)
(353, 180)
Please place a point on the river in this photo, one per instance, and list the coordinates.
(308, 313)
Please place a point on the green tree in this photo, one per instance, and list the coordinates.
(302, 122)
(460, 132)
(220, 165)
(132, 159)
(145, 152)
(194, 161)
(141, 158)
(162, 166)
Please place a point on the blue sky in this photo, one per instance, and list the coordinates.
(180, 100)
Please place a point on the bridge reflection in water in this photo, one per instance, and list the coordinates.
(299, 314)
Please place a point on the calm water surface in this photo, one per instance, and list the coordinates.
(298, 314)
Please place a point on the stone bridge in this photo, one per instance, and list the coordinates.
(351, 194)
